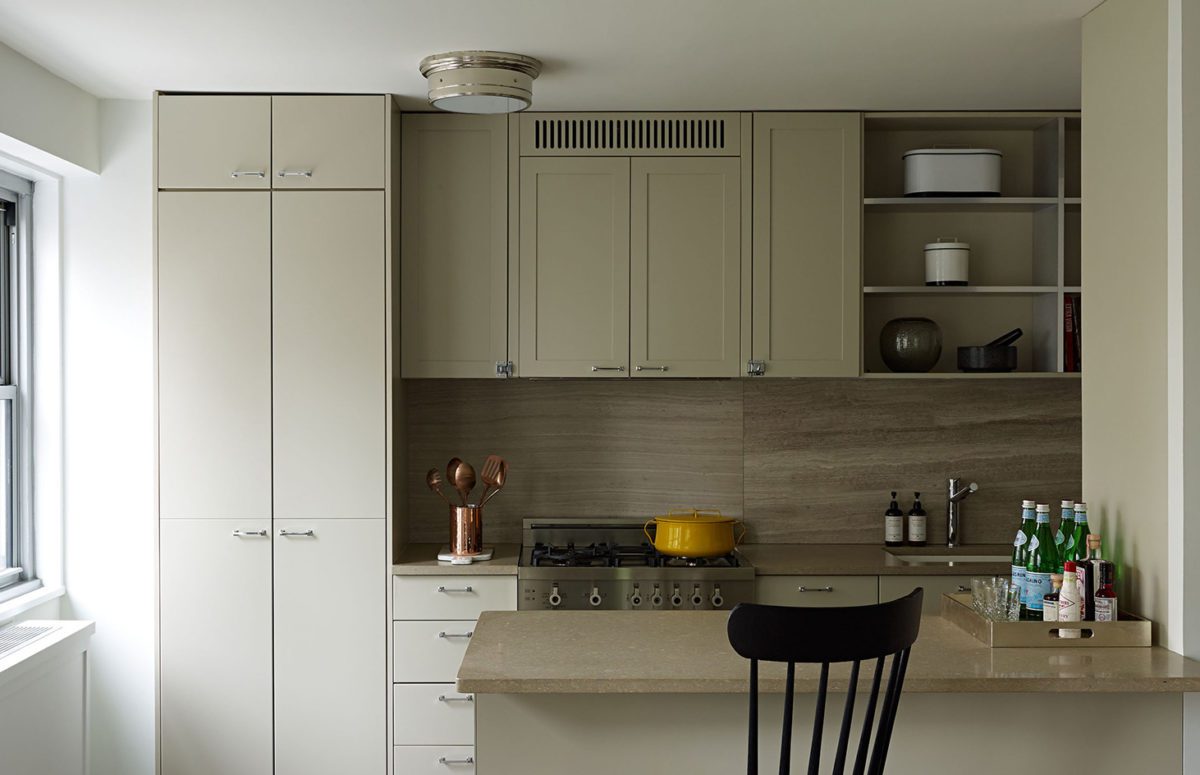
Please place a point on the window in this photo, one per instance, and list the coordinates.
(16, 458)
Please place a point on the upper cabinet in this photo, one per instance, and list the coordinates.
(807, 233)
(454, 245)
(574, 318)
(214, 141)
(328, 141)
(685, 238)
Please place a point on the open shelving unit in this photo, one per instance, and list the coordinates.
(1025, 255)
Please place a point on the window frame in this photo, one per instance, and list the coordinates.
(16, 379)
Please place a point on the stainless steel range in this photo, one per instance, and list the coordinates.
(607, 564)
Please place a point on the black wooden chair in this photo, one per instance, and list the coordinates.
(788, 634)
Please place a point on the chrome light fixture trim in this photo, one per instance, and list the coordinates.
(480, 81)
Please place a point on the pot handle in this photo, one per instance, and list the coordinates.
(649, 537)
(738, 541)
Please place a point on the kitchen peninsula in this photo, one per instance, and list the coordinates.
(606, 690)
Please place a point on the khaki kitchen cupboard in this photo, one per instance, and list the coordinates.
(214, 354)
(330, 647)
(215, 646)
(454, 245)
(817, 591)
(214, 141)
(328, 355)
(685, 283)
(807, 292)
(896, 587)
(329, 141)
(574, 267)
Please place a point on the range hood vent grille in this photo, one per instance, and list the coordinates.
(630, 134)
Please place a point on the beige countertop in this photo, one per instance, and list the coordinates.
(620, 652)
(868, 559)
(421, 560)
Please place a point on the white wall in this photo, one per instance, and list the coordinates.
(47, 113)
(109, 423)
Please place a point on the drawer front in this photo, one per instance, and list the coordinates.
(895, 587)
(328, 141)
(434, 759)
(432, 714)
(445, 598)
(428, 651)
(818, 591)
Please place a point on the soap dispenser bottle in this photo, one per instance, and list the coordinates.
(893, 524)
(916, 522)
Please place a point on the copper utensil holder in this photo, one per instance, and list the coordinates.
(466, 530)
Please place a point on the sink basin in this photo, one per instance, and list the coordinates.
(949, 556)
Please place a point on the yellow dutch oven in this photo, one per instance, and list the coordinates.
(694, 533)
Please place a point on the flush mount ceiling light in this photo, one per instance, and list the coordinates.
(480, 81)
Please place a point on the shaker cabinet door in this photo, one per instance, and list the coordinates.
(807, 295)
(328, 141)
(454, 245)
(327, 295)
(685, 254)
(331, 625)
(214, 354)
(214, 141)
(574, 318)
(215, 646)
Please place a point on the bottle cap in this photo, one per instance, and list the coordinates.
(1069, 566)
(1068, 504)
(1028, 504)
(1093, 541)
(1044, 507)
(1080, 506)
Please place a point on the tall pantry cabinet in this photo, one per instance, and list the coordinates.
(273, 280)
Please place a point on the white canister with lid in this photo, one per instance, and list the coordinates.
(946, 262)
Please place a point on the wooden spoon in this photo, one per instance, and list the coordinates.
(434, 480)
(497, 480)
(461, 476)
(491, 469)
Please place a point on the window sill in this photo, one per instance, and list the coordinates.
(11, 609)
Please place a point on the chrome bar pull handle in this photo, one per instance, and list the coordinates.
(815, 589)
(250, 534)
(456, 634)
(446, 762)
(296, 533)
(608, 368)
(651, 368)
(464, 698)
(294, 173)
(448, 590)
(247, 174)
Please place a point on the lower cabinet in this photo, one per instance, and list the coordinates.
(894, 587)
(818, 591)
(434, 759)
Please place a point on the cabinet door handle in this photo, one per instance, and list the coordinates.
(247, 174)
(651, 368)
(296, 533)
(294, 173)
(446, 762)
(456, 634)
(815, 589)
(962, 588)
(448, 590)
(608, 368)
(465, 698)
(250, 534)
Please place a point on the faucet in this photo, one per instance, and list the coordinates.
(953, 496)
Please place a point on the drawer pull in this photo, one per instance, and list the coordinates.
(448, 762)
(250, 534)
(816, 589)
(455, 634)
(464, 698)
(247, 174)
(294, 173)
(651, 368)
(297, 533)
(963, 588)
(450, 590)
(608, 368)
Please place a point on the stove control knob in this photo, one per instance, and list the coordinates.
(595, 598)
(657, 599)
(717, 600)
(635, 598)
(697, 598)
(676, 598)
(555, 597)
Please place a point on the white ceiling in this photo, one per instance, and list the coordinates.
(599, 54)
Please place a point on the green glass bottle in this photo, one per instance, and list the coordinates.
(1065, 533)
(1043, 561)
(1020, 553)
(1076, 548)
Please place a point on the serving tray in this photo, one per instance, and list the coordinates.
(1129, 631)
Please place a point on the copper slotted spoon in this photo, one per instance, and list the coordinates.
(495, 472)
(434, 480)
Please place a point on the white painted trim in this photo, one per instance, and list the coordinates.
(14, 608)
(1173, 628)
